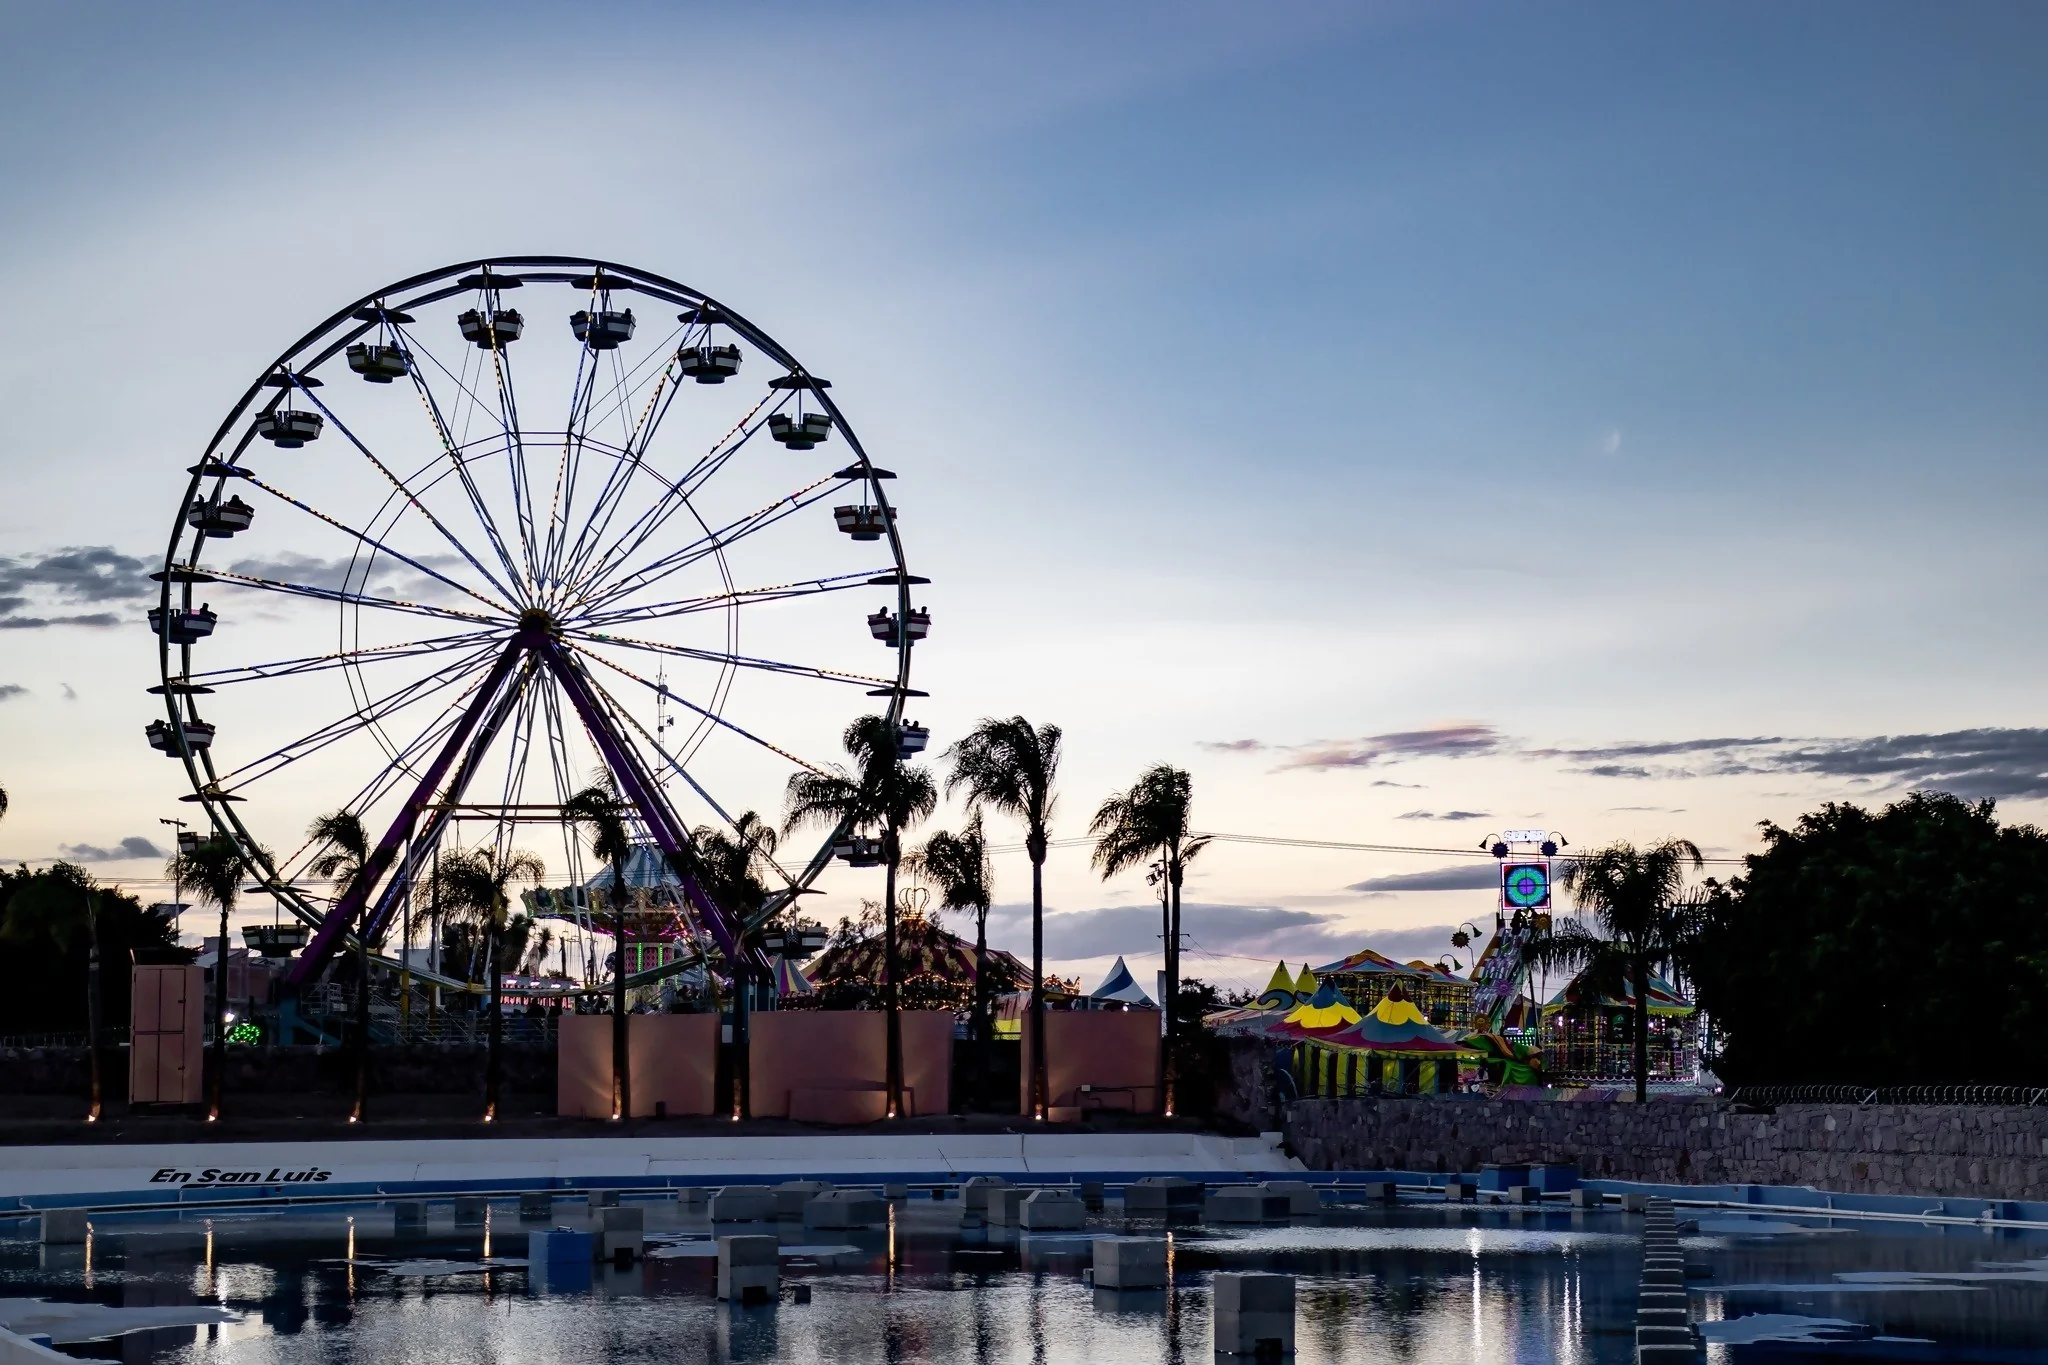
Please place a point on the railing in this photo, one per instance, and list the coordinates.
(109, 1037)
(1770, 1096)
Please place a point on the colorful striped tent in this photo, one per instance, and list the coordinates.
(1392, 1048)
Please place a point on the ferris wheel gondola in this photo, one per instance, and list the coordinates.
(444, 587)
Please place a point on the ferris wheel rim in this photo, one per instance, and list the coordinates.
(175, 659)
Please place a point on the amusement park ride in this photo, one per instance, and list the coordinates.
(447, 599)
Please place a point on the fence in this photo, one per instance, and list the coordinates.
(109, 1037)
(1770, 1096)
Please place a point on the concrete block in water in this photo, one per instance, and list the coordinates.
(896, 1194)
(1254, 1313)
(974, 1193)
(64, 1227)
(1162, 1194)
(1664, 1336)
(792, 1195)
(1130, 1263)
(1458, 1191)
(1244, 1204)
(558, 1246)
(1525, 1194)
(846, 1209)
(743, 1204)
(1553, 1177)
(602, 1199)
(409, 1213)
(1633, 1203)
(1006, 1205)
(1583, 1198)
(539, 1204)
(1052, 1210)
(621, 1229)
(748, 1270)
(1301, 1196)
(1381, 1192)
(470, 1210)
(1091, 1195)
(693, 1197)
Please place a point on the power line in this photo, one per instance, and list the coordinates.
(1286, 841)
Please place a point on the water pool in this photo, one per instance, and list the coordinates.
(1421, 1282)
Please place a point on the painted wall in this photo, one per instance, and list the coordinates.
(1115, 1052)
(673, 1062)
(830, 1066)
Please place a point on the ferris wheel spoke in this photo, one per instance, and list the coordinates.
(611, 496)
(810, 587)
(453, 449)
(321, 663)
(365, 538)
(390, 704)
(712, 542)
(677, 766)
(351, 598)
(665, 691)
(733, 660)
(675, 495)
(411, 500)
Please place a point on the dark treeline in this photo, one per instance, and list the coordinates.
(47, 920)
(1903, 947)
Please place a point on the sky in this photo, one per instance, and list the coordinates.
(1415, 420)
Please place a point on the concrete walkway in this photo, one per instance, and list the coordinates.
(175, 1173)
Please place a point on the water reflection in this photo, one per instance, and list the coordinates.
(1411, 1284)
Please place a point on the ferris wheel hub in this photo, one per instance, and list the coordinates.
(537, 624)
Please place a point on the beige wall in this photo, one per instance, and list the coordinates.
(673, 1060)
(1116, 1051)
(829, 1066)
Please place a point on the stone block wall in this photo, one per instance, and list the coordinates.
(1957, 1151)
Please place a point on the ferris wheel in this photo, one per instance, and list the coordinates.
(495, 529)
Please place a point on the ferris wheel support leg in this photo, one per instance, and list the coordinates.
(639, 788)
(327, 939)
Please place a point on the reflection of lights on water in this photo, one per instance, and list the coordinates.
(212, 1283)
(892, 1244)
(487, 1232)
(88, 1255)
(351, 1258)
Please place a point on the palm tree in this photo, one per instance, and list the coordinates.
(1151, 821)
(959, 863)
(727, 866)
(1010, 766)
(213, 869)
(1635, 895)
(603, 815)
(346, 849)
(473, 884)
(880, 794)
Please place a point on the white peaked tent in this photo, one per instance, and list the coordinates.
(1120, 988)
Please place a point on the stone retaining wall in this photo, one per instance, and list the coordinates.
(1941, 1150)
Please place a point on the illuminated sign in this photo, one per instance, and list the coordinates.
(1525, 885)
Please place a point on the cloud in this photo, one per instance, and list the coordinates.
(134, 846)
(9, 691)
(1447, 815)
(73, 575)
(383, 577)
(1610, 444)
(1993, 762)
(99, 620)
(1405, 786)
(1458, 740)
(1231, 746)
(1472, 876)
(1133, 930)
(70, 693)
